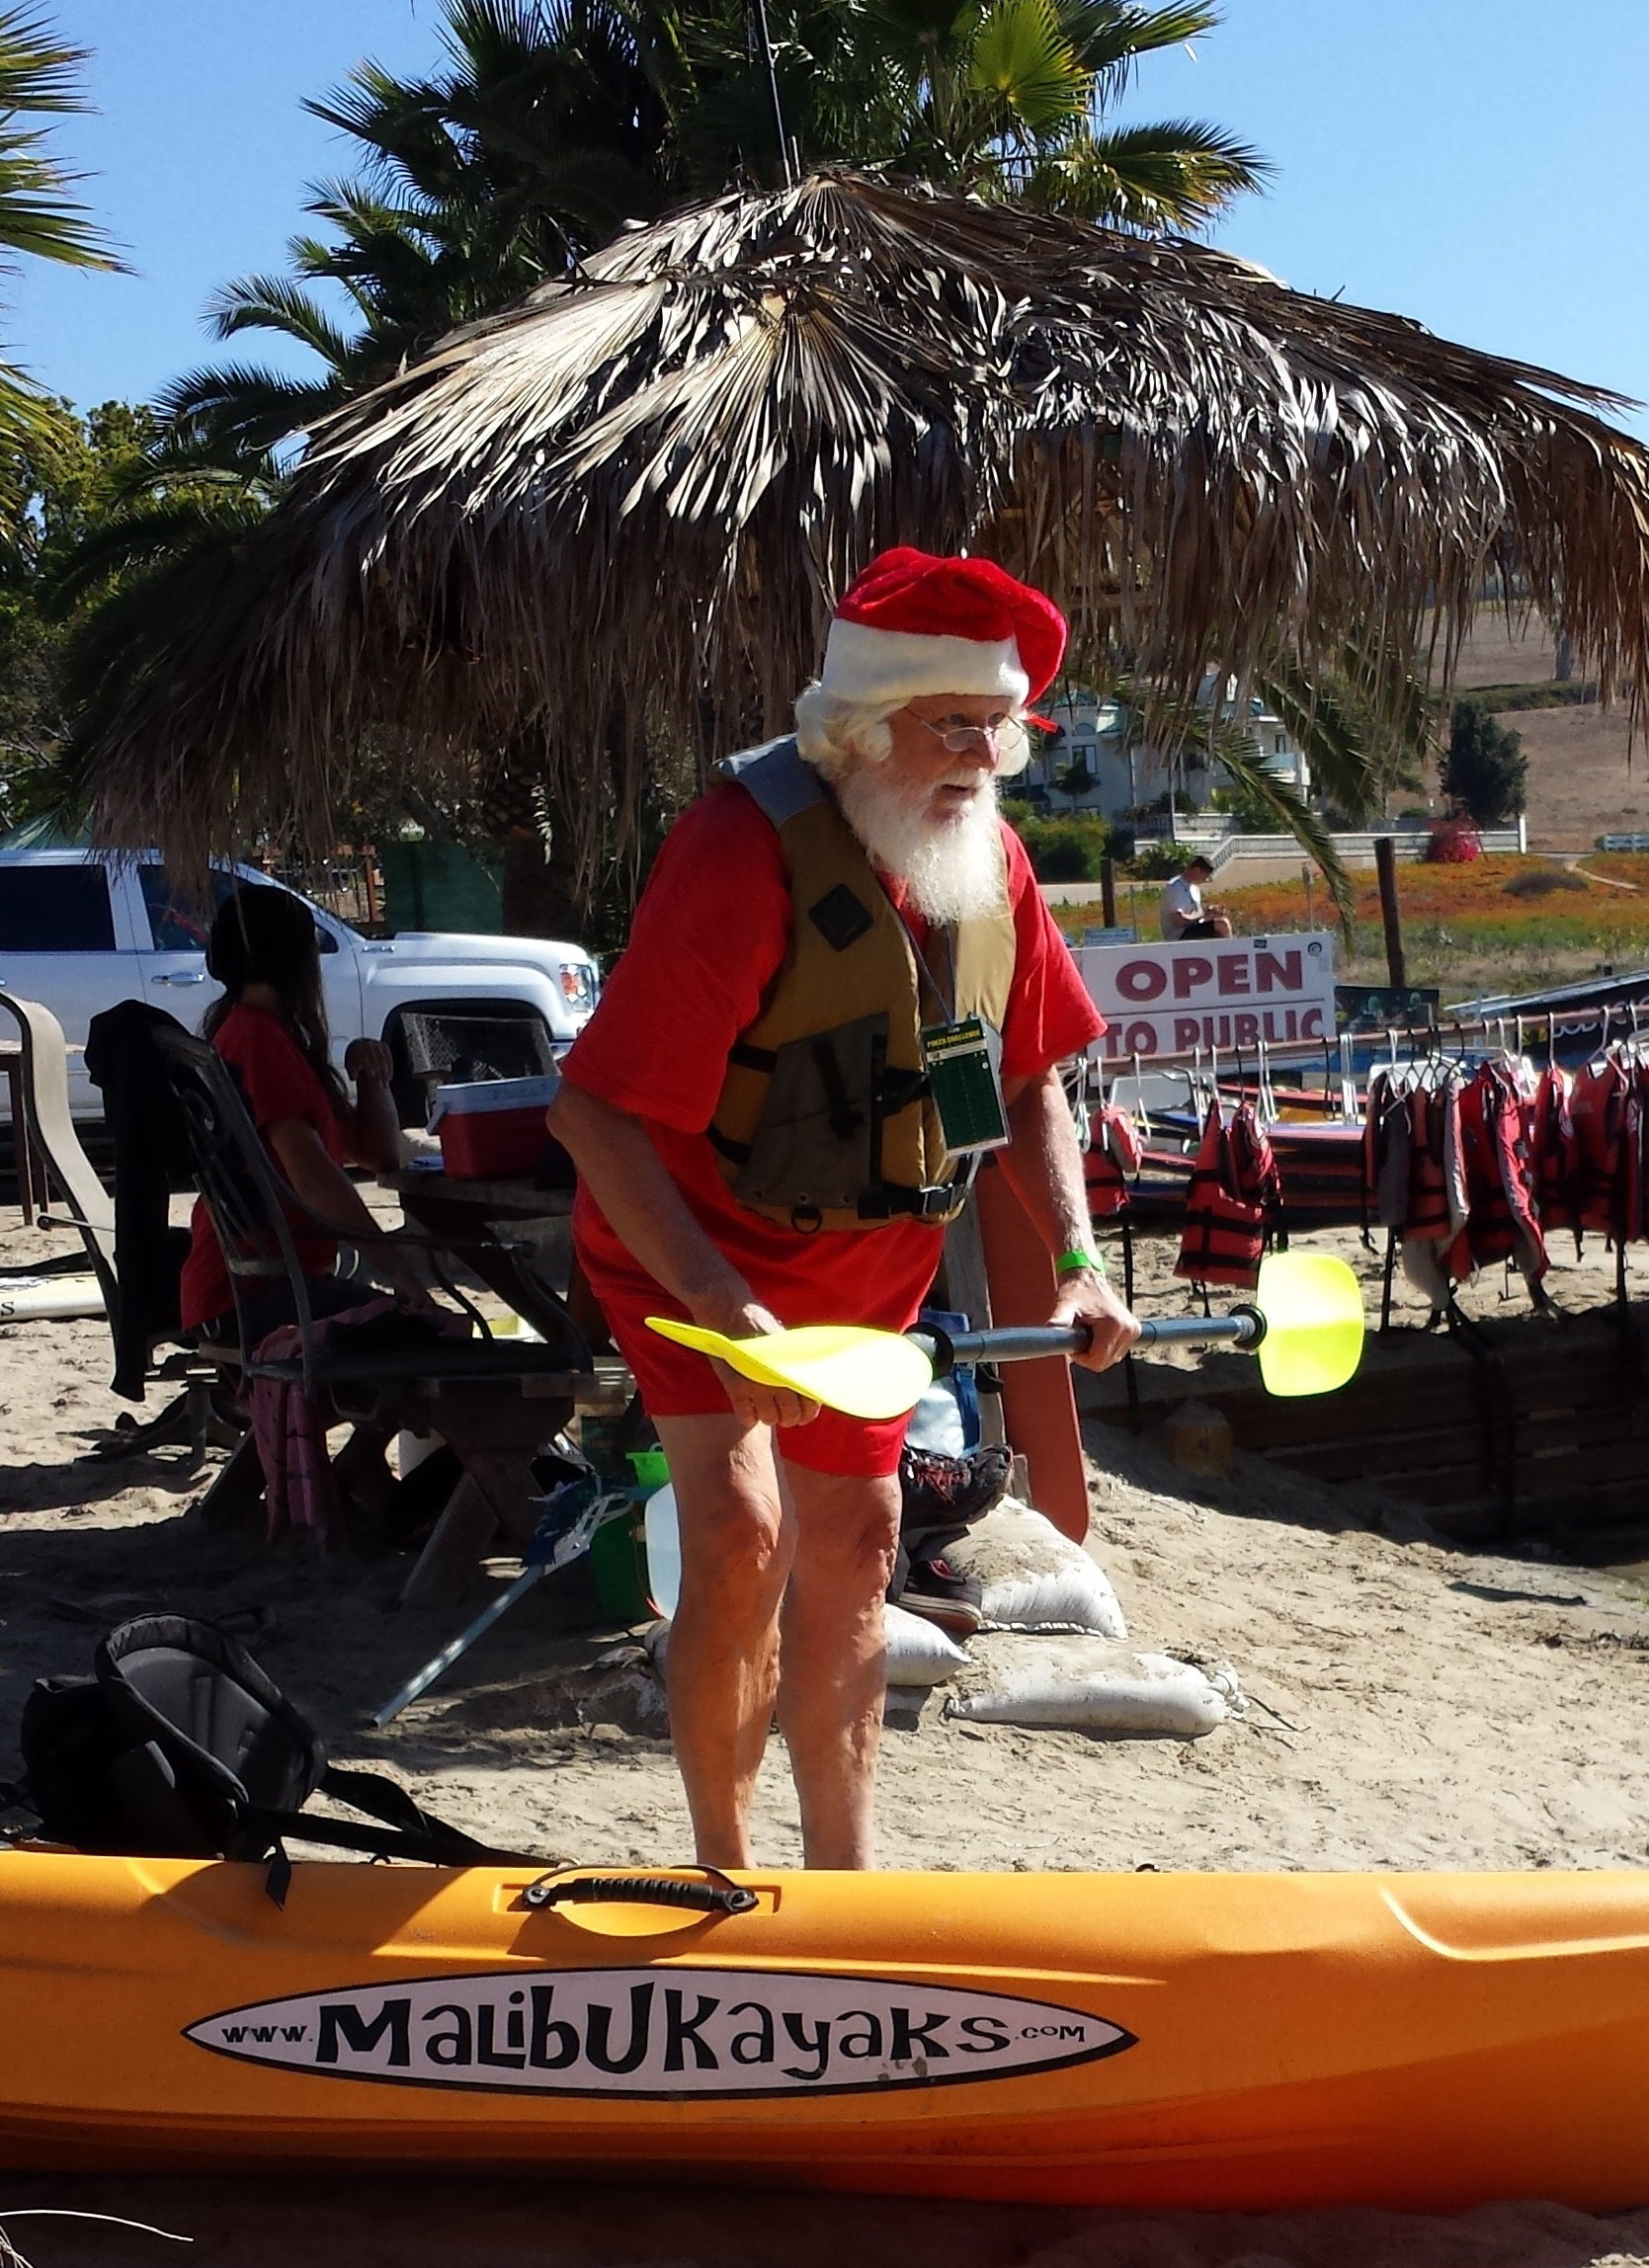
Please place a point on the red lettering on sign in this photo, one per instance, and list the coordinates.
(1233, 973)
(1188, 1033)
(1247, 1029)
(1272, 972)
(1312, 1023)
(1141, 980)
(1190, 971)
(1140, 1039)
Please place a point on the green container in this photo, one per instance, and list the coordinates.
(619, 1562)
(650, 1469)
(441, 886)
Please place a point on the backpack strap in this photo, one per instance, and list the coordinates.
(410, 1832)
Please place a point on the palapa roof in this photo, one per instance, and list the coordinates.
(621, 509)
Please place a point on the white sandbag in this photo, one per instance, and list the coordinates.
(1088, 1686)
(918, 1653)
(1033, 1577)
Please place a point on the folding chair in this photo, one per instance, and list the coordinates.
(495, 1404)
(191, 1418)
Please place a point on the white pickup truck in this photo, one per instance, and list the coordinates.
(80, 931)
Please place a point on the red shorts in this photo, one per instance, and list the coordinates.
(674, 1381)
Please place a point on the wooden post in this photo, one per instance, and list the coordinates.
(1305, 877)
(1107, 891)
(370, 880)
(1386, 864)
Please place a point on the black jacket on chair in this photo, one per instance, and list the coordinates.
(150, 1150)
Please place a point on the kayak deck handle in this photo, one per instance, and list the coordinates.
(716, 1896)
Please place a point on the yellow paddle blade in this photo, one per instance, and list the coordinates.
(862, 1373)
(1312, 1304)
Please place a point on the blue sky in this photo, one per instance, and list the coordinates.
(1476, 166)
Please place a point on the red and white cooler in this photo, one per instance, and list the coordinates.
(491, 1128)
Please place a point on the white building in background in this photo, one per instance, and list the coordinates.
(1124, 773)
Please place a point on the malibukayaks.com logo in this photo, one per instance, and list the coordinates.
(647, 2032)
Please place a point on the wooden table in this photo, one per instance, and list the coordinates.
(477, 1216)
(497, 1434)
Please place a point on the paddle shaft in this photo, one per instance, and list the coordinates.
(1245, 1327)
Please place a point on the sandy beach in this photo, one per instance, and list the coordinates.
(1411, 1706)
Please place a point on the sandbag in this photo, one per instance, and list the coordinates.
(919, 1652)
(1033, 1577)
(1090, 1685)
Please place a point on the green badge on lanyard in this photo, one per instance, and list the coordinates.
(965, 1078)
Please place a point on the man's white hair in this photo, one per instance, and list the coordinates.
(832, 730)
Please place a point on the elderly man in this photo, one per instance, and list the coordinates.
(842, 992)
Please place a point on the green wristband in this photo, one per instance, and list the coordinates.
(1069, 1263)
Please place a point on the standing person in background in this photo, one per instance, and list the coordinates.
(1180, 910)
(838, 944)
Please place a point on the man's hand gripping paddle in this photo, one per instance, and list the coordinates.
(1304, 1322)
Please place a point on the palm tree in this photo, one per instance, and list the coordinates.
(39, 78)
(1007, 98)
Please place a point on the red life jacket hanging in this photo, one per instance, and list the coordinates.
(1234, 1193)
(1597, 1146)
(1114, 1156)
(1551, 1139)
(1502, 1222)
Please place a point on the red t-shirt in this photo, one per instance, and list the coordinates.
(277, 1083)
(709, 937)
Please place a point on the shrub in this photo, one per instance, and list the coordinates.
(1484, 768)
(1252, 814)
(1454, 842)
(1157, 862)
(1064, 849)
(1541, 881)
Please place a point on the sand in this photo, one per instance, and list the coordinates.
(1413, 1705)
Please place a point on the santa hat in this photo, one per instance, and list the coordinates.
(912, 625)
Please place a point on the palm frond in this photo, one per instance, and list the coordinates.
(1176, 175)
(277, 303)
(1020, 57)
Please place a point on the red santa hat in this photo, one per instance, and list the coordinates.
(912, 625)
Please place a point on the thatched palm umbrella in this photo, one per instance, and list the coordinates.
(615, 515)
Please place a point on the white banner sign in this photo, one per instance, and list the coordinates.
(1228, 993)
(659, 2033)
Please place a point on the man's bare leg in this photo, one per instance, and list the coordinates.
(832, 1682)
(724, 1640)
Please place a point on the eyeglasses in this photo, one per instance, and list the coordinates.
(963, 738)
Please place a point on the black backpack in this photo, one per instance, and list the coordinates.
(179, 1746)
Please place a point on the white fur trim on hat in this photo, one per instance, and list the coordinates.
(863, 664)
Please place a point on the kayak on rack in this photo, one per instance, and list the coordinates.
(1240, 2042)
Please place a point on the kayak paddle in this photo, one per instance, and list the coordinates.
(1304, 1322)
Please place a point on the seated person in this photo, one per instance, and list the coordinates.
(269, 1027)
(1181, 912)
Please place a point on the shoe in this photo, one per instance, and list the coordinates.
(934, 1590)
(951, 1493)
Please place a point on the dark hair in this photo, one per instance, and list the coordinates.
(262, 935)
(1207, 864)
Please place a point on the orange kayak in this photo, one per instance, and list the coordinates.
(1238, 2042)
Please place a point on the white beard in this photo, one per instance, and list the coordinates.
(951, 866)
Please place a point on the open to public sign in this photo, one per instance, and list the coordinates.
(1227, 993)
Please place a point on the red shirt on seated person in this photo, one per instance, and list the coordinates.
(269, 1027)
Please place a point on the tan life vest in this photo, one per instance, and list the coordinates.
(824, 1119)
